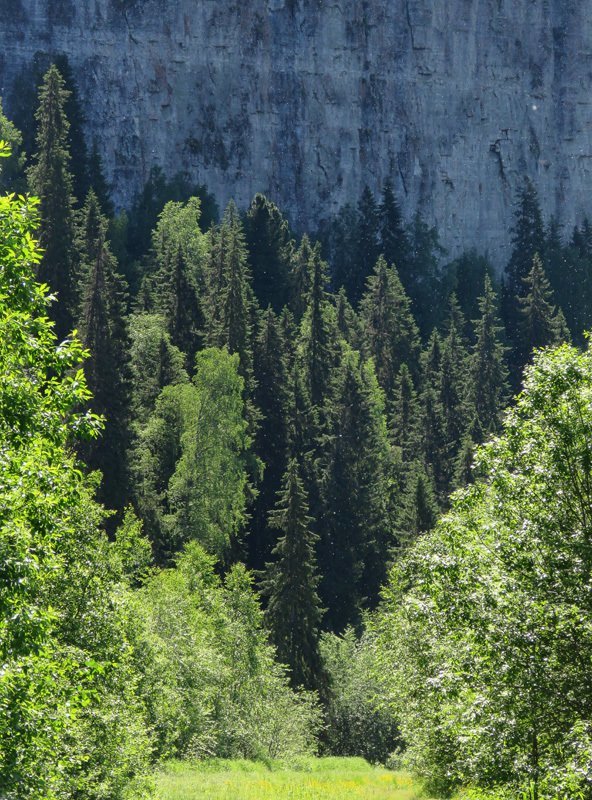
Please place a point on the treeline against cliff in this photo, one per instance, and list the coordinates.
(281, 420)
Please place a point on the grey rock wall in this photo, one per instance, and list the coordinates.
(308, 100)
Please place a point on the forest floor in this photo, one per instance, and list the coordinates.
(308, 779)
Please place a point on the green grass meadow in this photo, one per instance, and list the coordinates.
(310, 779)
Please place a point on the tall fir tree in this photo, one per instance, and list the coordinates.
(390, 334)
(488, 373)
(367, 245)
(406, 416)
(540, 324)
(273, 397)
(467, 275)
(103, 330)
(50, 180)
(270, 248)
(230, 295)
(318, 335)
(301, 277)
(434, 440)
(453, 385)
(76, 139)
(424, 285)
(340, 246)
(431, 359)
(354, 525)
(155, 363)
(294, 610)
(528, 239)
(394, 241)
(419, 510)
(432, 424)
(348, 323)
(569, 269)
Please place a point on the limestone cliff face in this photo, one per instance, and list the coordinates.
(308, 100)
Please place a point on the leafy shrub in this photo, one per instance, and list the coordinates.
(485, 635)
(70, 719)
(208, 677)
(358, 723)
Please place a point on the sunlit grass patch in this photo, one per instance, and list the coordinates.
(307, 779)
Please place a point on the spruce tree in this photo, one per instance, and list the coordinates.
(155, 363)
(303, 438)
(394, 241)
(300, 277)
(340, 245)
(269, 245)
(431, 359)
(570, 275)
(432, 426)
(273, 398)
(419, 510)
(434, 440)
(179, 252)
(528, 239)
(389, 330)
(463, 464)
(178, 302)
(76, 140)
(354, 525)
(582, 238)
(453, 383)
(488, 373)
(103, 330)
(424, 285)
(406, 416)
(230, 296)
(50, 180)
(467, 273)
(348, 323)
(367, 246)
(294, 611)
(539, 324)
(318, 335)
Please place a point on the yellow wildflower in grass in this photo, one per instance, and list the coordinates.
(309, 779)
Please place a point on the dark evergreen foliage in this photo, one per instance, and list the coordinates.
(367, 245)
(269, 245)
(394, 240)
(353, 526)
(79, 156)
(103, 330)
(318, 334)
(419, 510)
(539, 324)
(294, 611)
(390, 334)
(488, 373)
(273, 394)
(51, 180)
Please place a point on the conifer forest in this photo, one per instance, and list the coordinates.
(271, 494)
